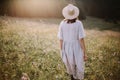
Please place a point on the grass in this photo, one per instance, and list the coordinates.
(31, 46)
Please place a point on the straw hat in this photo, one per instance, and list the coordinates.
(70, 12)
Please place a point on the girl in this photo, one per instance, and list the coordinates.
(71, 35)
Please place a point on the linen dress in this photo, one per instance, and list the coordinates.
(71, 53)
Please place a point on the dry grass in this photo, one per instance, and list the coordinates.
(31, 46)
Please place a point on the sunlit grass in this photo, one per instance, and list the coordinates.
(31, 46)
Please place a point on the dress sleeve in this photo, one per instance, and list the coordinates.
(60, 32)
(81, 30)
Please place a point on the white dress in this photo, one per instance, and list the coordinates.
(71, 53)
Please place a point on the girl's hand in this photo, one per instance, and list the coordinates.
(85, 58)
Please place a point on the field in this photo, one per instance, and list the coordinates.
(31, 46)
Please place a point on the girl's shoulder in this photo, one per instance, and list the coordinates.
(62, 22)
(78, 21)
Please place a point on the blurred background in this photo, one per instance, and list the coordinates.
(29, 46)
(107, 9)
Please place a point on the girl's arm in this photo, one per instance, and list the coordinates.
(61, 42)
(82, 43)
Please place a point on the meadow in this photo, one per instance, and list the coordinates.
(31, 46)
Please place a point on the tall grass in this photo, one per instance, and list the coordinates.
(31, 46)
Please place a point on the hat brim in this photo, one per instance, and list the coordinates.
(67, 16)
